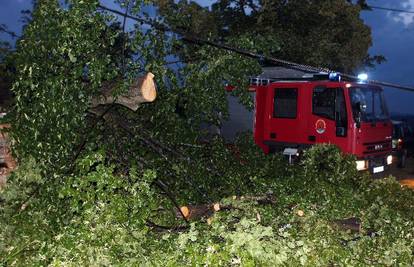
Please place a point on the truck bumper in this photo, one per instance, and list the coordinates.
(375, 164)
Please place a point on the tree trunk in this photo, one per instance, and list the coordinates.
(350, 224)
(142, 90)
(193, 212)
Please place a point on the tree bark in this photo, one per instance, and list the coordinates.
(192, 212)
(267, 199)
(142, 90)
(350, 224)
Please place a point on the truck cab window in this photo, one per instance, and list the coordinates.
(369, 103)
(285, 103)
(323, 102)
(379, 111)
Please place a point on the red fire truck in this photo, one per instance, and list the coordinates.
(292, 115)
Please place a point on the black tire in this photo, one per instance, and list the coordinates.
(402, 161)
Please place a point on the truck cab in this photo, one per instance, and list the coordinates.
(296, 114)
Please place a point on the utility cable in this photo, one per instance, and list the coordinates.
(288, 64)
(390, 9)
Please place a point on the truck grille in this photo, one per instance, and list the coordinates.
(377, 147)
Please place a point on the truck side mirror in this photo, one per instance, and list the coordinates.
(358, 119)
(359, 108)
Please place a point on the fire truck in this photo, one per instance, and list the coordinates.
(294, 114)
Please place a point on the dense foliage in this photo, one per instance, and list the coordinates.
(320, 33)
(66, 54)
(100, 218)
(103, 190)
(5, 74)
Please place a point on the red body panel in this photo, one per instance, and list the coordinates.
(370, 140)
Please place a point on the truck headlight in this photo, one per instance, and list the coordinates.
(389, 160)
(361, 165)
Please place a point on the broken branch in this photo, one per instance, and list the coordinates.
(142, 90)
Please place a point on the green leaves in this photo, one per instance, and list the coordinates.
(72, 58)
(108, 214)
(51, 60)
(329, 34)
(84, 193)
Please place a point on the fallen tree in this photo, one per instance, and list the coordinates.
(112, 185)
(196, 212)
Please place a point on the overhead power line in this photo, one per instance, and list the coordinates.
(391, 9)
(288, 64)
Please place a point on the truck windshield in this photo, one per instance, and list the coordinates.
(370, 102)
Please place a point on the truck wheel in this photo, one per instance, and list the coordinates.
(403, 159)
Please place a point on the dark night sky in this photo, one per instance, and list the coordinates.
(393, 37)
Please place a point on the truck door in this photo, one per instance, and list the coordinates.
(329, 120)
(284, 121)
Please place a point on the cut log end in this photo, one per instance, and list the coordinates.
(192, 212)
(185, 211)
(216, 207)
(148, 88)
(142, 90)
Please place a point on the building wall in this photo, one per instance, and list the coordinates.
(240, 119)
